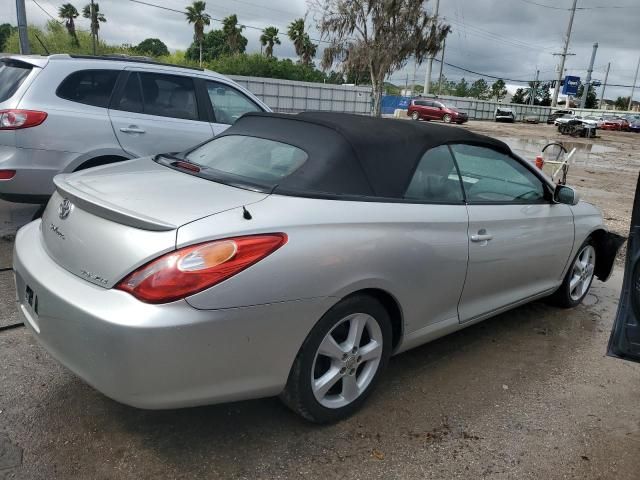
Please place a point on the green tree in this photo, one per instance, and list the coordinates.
(592, 98)
(519, 96)
(236, 42)
(268, 39)
(213, 46)
(377, 34)
(92, 12)
(622, 103)
(195, 14)
(461, 88)
(153, 47)
(498, 90)
(68, 13)
(480, 89)
(5, 32)
(545, 95)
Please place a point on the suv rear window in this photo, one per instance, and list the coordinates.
(243, 159)
(12, 74)
(91, 87)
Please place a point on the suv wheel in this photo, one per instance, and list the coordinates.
(340, 361)
(415, 116)
(446, 118)
(578, 279)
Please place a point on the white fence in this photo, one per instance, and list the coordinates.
(292, 96)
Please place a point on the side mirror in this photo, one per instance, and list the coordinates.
(565, 195)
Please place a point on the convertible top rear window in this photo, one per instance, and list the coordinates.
(257, 160)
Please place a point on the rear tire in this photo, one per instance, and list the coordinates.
(415, 116)
(446, 118)
(579, 277)
(340, 361)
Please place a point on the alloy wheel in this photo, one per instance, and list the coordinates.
(447, 118)
(347, 360)
(582, 272)
(415, 116)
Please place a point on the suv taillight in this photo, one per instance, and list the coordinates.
(16, 119)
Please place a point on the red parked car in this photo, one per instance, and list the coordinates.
(613, 123)
(423, 109)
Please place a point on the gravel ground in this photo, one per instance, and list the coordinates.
(526, 395)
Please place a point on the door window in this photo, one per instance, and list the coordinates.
(436, 179)
(161, 95)
(489, 176)
(91, 87)
(228, 103)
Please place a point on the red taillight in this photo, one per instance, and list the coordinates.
(15, 119)
(192, 269)
(7, 174)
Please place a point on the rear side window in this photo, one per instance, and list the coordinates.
(160, 95)
(256, 160)
(436, 179)
(12, 74)
(91, 87)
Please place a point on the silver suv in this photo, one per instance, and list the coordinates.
(64, 113)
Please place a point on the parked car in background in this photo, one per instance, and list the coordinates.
(557, 113)
(634, 126)
(567, 118)
(531, 119)
(65, 113)
(425, 109)
(224, 273)
(504, 114)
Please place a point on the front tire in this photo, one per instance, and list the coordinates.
(340, 361)
(578, 279)
(446, 118)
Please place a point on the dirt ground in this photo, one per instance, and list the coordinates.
(529, 394)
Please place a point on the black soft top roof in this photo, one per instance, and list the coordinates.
(353, 154)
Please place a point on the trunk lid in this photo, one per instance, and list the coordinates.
(105, 222)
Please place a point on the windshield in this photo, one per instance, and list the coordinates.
(251, 159)
(12, 74)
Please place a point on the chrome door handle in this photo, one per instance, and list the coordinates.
(481, 237)
(132, 129)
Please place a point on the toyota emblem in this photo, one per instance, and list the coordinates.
(65, 208)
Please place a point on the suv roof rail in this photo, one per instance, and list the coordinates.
(121, 57)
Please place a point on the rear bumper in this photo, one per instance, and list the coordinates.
(35, 169)
(157, 356)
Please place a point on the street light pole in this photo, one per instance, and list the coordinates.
(444, 44)
(427, 77)
(604, 85)
(93, 34)
(534, 90)
(635, 79)
(556, 90)
(22, 27)
(587, 82)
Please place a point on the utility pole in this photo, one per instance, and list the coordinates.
(534, 90)
(587, 82)
(604, 85)
(93, 34)
(427, 77)
(406, 85)
(444, 44)
(635, 79)
(413, 79)
(22, 27)
(556, 90)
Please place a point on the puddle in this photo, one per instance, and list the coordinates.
(586, 153)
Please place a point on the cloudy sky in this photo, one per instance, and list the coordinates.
(506, 38)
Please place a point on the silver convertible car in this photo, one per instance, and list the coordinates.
(292, 255)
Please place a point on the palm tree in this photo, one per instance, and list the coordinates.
(268, 39)
(308, 50)
(195, 14)
(92, 12)
(232, 33)
(68, 13)
(296, 35)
